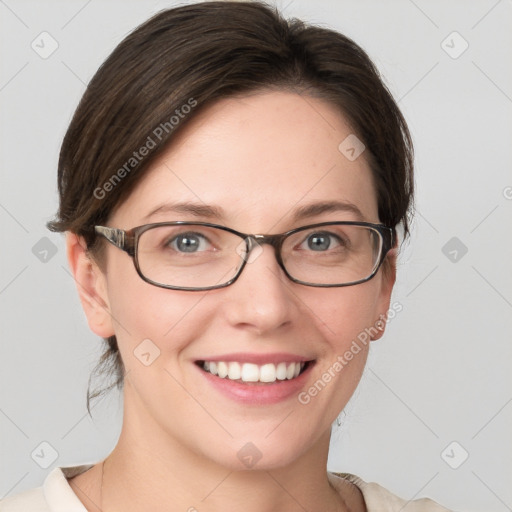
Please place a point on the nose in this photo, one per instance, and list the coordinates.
(261, 298)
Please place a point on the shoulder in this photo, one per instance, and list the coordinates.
(379, 499)
(54, 495)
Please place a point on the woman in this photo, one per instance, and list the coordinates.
(208, 127)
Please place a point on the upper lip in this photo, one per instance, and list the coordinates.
(259, 359)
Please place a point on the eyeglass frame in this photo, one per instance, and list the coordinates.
(128, 241)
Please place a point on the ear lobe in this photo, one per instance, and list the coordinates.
(91, 286)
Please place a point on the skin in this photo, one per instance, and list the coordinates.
(258, 157)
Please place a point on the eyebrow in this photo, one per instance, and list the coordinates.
(314, 209)
(215, 212)
(194, 209)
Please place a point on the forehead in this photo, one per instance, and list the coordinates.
(257, 158)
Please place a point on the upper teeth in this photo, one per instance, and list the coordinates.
(250, 372)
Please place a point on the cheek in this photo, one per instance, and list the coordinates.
(143, 312)
(344, 313)
(345, 317)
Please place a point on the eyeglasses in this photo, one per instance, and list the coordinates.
(202, 256)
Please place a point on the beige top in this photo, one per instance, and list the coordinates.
(56, 495)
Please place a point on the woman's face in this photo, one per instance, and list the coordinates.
(256, 159)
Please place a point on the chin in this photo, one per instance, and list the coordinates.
(258, 452)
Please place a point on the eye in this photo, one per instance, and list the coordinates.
(188, 242)
(322, 241)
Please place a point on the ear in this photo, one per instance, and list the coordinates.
(91, 285)
(388, 278)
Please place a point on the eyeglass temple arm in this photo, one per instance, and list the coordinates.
(393, 239)
(113, 235)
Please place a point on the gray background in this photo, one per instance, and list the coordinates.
(442, 372)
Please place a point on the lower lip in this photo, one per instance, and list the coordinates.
(258, 393)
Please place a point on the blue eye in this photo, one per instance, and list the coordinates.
(322, 241)
(319, 242)
(188, 242)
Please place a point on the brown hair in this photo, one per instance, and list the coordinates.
(182, 60)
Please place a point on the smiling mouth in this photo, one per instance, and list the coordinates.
(249, 373)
